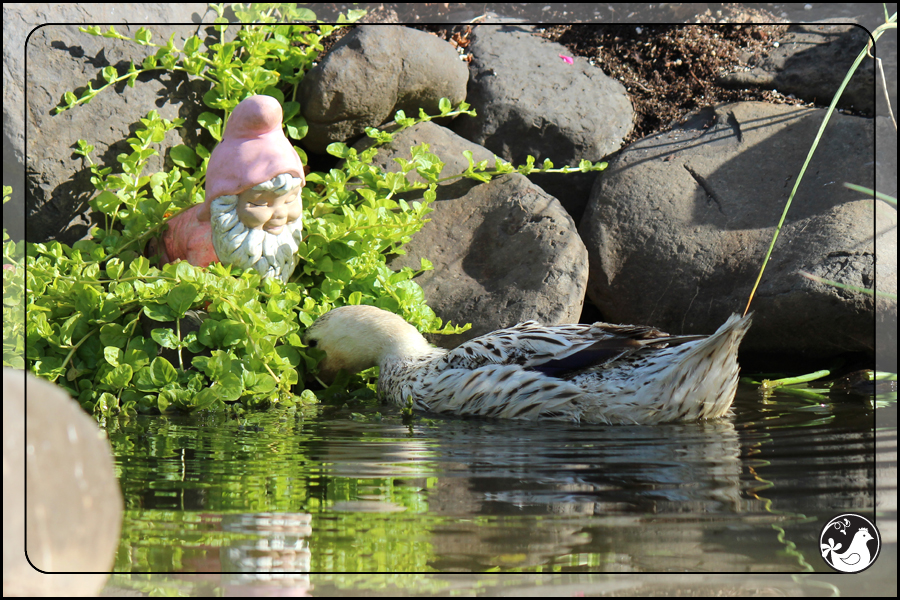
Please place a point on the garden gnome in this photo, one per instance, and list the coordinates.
(251, 216)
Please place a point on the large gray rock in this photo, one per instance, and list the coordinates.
(371, 73)
(811, 61)
(886, 276)
(531, 102)
(503, 252)
(74, 511)
(678, 226)
(61, 59)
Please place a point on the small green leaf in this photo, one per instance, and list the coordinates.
(181, 298)
(205, 398)
(339, 149)
(159, 312)
(114, 268)
(184, 157)
(112, 33)
(119, 377)
(143, 36)
(106, 404)
(112, 355)
(106, 202)
(297, 128)
(212, 123)
(162, 371)
(159, 373)
(264, 384)
(209, 335)
(290, 109)
(164, 400)
(232, 332)
(165, 338)
(191, 45)
(113, 334)
(229, 387)
(308, 398)
(186, 271)
(110, 74)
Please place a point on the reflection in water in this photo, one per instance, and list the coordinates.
(326, 490)
(269, 548)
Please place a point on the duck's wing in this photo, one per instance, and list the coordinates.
(555, 350)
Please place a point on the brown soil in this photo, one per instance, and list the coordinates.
(671, 70)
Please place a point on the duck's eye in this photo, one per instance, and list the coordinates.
(312, 343)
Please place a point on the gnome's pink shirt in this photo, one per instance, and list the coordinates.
(253, 150)
(188, 239)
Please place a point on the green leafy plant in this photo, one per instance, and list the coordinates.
(100, 312)
(13, 298)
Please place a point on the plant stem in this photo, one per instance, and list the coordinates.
(774, 383)
(74, 348)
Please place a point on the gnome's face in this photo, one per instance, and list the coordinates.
(260, 228)
(267, 210)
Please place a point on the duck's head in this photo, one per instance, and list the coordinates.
(358, 337)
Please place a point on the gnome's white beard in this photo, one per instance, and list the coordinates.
(272, 255)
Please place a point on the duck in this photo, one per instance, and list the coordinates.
(592, 373)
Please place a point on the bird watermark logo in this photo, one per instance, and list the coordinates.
(850, 543)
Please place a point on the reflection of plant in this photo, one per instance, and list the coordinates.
(86, 303)
(13, 293)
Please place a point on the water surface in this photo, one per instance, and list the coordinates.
(333, 490)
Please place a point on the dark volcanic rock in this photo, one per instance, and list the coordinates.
(796, 66)
(61, 59)
(679, 224)
(503, 252)
(530, 101)
(370, 74)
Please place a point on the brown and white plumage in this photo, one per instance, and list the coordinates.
(598, 373)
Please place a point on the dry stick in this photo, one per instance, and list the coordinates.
(876, 34)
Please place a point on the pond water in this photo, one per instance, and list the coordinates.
(334, 490)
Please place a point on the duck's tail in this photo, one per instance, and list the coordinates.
(704, 382)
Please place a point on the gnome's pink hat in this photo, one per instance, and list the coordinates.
(253, 150)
